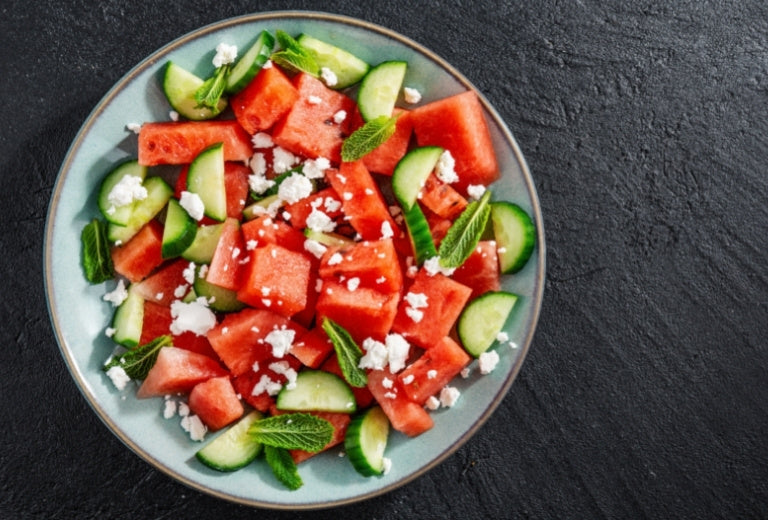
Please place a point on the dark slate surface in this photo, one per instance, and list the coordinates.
(644, 124)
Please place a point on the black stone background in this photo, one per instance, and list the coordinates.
(644, 125)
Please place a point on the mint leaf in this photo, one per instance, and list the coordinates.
(465, 232)
(293, 431)
(97, 257)
(367, 138)
(283, 466)
(347, 352)
(139, 360)
(293, 56)
(210, 92)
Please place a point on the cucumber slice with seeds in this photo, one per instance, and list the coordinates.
(366, 441)
(179, 86)
(234, 448)
(349, 69)
(515, 235)
(251, 63)
(179, 231)
(119, 215)
(380, 89)
(320, 391)
(411, 173)
(206, 179)
(483, 318)
(203, 246)
(219, 298)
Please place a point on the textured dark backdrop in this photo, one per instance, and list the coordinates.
(644, 124)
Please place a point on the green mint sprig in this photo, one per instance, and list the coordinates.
(368, 137)
(97, 258)
(293, 55)
(347, 352)
(283, 466)
(209, 93)
(139, 360)
(294, 431)
(465, 232)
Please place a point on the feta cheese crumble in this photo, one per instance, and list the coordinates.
(328, 76)
(262, 140)
(475, 191)
(225, 54)
(194, 316)
(281, 341)
(433, 267)
(488, 361)
(134, 127)
(411, 95)
(118, 295)
(315, 168)
(319, 221)
(448, 396)
(193, 204)
(127, 190)
(118, 376)
(445, 168)
(294, 188)
(282, 160)
(194, 426)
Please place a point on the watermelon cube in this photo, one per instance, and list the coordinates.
(215, 402)
(264, 100)
(166, 284)
(141, 254)
(374, 263)
(171, 142)
(405, 415)
(227, 263)
(480, 271)
(433, 370)
(177, 371)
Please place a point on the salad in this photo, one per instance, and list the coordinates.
(305, 256)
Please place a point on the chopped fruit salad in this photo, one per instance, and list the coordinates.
(305, 255)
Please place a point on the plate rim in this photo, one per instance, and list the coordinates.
(75, 370)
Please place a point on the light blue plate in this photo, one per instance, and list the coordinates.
(80, 316)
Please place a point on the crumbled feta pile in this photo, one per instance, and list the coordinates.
(488, 361)
(393, 353)
(127, 190)
(328, 76)
(281, 341)
(475, 191)
(445, 168)
(194, 316)
(448, 396)
(192, 204)
(433, 267)
(294, 188)
(118, 376)
(225, 54)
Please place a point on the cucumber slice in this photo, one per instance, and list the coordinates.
(179, 86)
(179, 231)
(483, 318)
(380, 88)
(204, 245)
(262, 206)
(515, 235)
(234, 448)
(319, 391)
(349, 69)
(219, 298)
(327, 238)
(118, 215)
(420, 234)
(129, 319)
(158, 195)
(411, 173)
(206, 179)
(250, 64)
(366, 440)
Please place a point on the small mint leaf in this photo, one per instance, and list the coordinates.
(283, 467)
(293, 431)
(367, 138)
(465, 232)
(138, 361)
(347, 352)
(97, 257)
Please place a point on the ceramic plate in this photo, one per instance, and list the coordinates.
(80, 316)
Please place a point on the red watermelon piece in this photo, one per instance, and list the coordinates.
(264, 100)
(480, 271)
(171, 142)
(141, 254)
(215, 402)
(433, 370)
(405, 415)
(177, 371)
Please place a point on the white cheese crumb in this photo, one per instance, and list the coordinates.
(183, 409)
(194, 316)
(189, 273)
(502, 337)
(193, 204)
(432, 266)
(258, 164)
(173, 115)
(488, 361)
(170, 408)
(353, 284)
(319, 221)
(387, 383)
(255, 367)
(294, 188)
(407, 380)
(282, 160)
(397, 352)
(386, 230)
(266, 384)
(465, 372)
(445, 168)
(267, 65)
(475, 191)
(262, 140)
(315, 168)
(390, 395)
(431, 374)
(251, 244)
(339, 116)
(281, 341)
(127, 190)
(134, 127)
(335, 259)
(118, 295)
(416, 300)
(376, 356)
(315, 248)
(433, 403)
(328, 76)
(448, 396)
(194, 426)
(513, 345)
(411, 95)
(110, 331)
(415, 314)
(118, 376)
(284, 369)
(314, 100)
(181, 290)
(225, 54)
